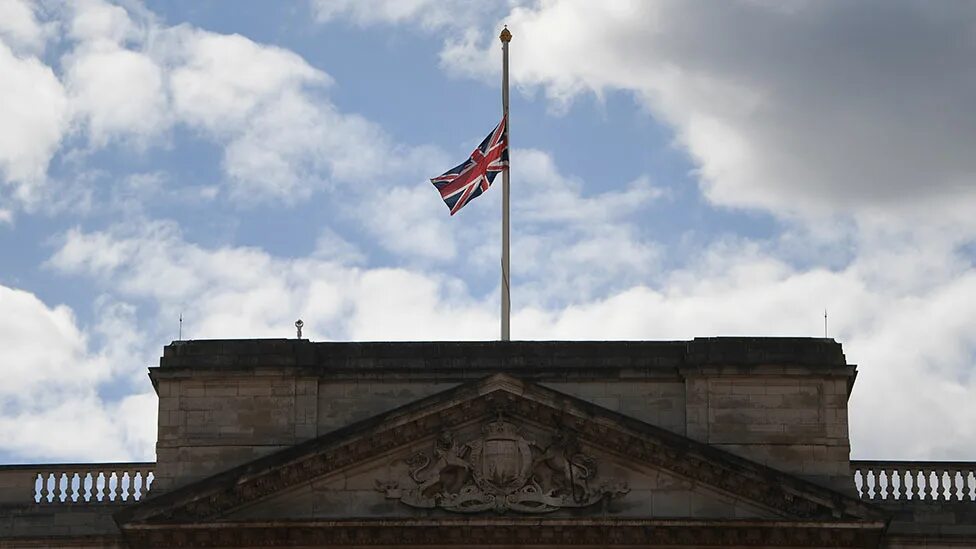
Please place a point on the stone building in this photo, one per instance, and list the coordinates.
(717, 442)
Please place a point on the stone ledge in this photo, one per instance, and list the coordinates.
(514, 355)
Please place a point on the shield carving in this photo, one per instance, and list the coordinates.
(496, 473)
(504, 457)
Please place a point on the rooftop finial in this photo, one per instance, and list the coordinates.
(298, 326)
(505, 36)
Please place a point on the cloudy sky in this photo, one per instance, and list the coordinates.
(680, 169)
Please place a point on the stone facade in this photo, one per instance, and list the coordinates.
(711, 442)
(786, 412)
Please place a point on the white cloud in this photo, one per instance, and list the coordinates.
(571, 244)
(245, 292)
(914, 351)
(290, 148)
(28, 366)
(117, 92)
(127, 78)
(582, 241)
(218, 80)
(411, 221)
(99, 21)
(431, 14)
(19, 27)
(909, 335)
(51, 379)
(551, 196)
(33, 118)
(825, 107)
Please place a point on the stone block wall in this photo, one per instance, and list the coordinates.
(211, 422)
(59, 526)
(660, 402)
(789, 418)
(343, 402)
(781, 402)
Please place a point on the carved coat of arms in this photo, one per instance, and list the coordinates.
(501, 471)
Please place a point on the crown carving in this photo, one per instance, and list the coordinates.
(500, 429)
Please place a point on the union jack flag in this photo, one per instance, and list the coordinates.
(468, 180)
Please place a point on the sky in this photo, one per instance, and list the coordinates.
(679, 169)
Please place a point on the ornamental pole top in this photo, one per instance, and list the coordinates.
(505, 36)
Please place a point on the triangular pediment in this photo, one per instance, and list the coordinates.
(499, 447)
(501, 464)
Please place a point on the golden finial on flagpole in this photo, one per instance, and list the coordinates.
(505, 36)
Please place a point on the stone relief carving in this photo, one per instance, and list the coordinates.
(502, 471)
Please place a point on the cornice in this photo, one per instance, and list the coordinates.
(502, 531)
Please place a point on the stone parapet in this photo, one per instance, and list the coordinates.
(523, 357)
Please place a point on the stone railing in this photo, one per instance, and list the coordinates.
(75, 483)
(915, 480)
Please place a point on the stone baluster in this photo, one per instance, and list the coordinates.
(113, 486)
(939, 485)
(925, 484)
(135, 484)
(916, 493)
(125, 485)
(970, 485)
(49, 482)
(964, 492)
(60, 491)
(898, 491)
(885, 487)
(140, 486)
(100, 482)
(955, 485)
(951, 485)
(75, 485)
(89, 483)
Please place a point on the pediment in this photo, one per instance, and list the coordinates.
(500, 465)
(499, 447)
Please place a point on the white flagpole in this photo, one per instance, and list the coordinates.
(505, 37)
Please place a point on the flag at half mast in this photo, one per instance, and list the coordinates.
(472, 178)
(468, 180)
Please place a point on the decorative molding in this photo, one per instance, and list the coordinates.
(502, 471)
(535, 532)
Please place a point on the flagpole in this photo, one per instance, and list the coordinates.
(505, 37)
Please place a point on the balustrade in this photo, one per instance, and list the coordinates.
(943, 481)
(915, 480)
(88, 483)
